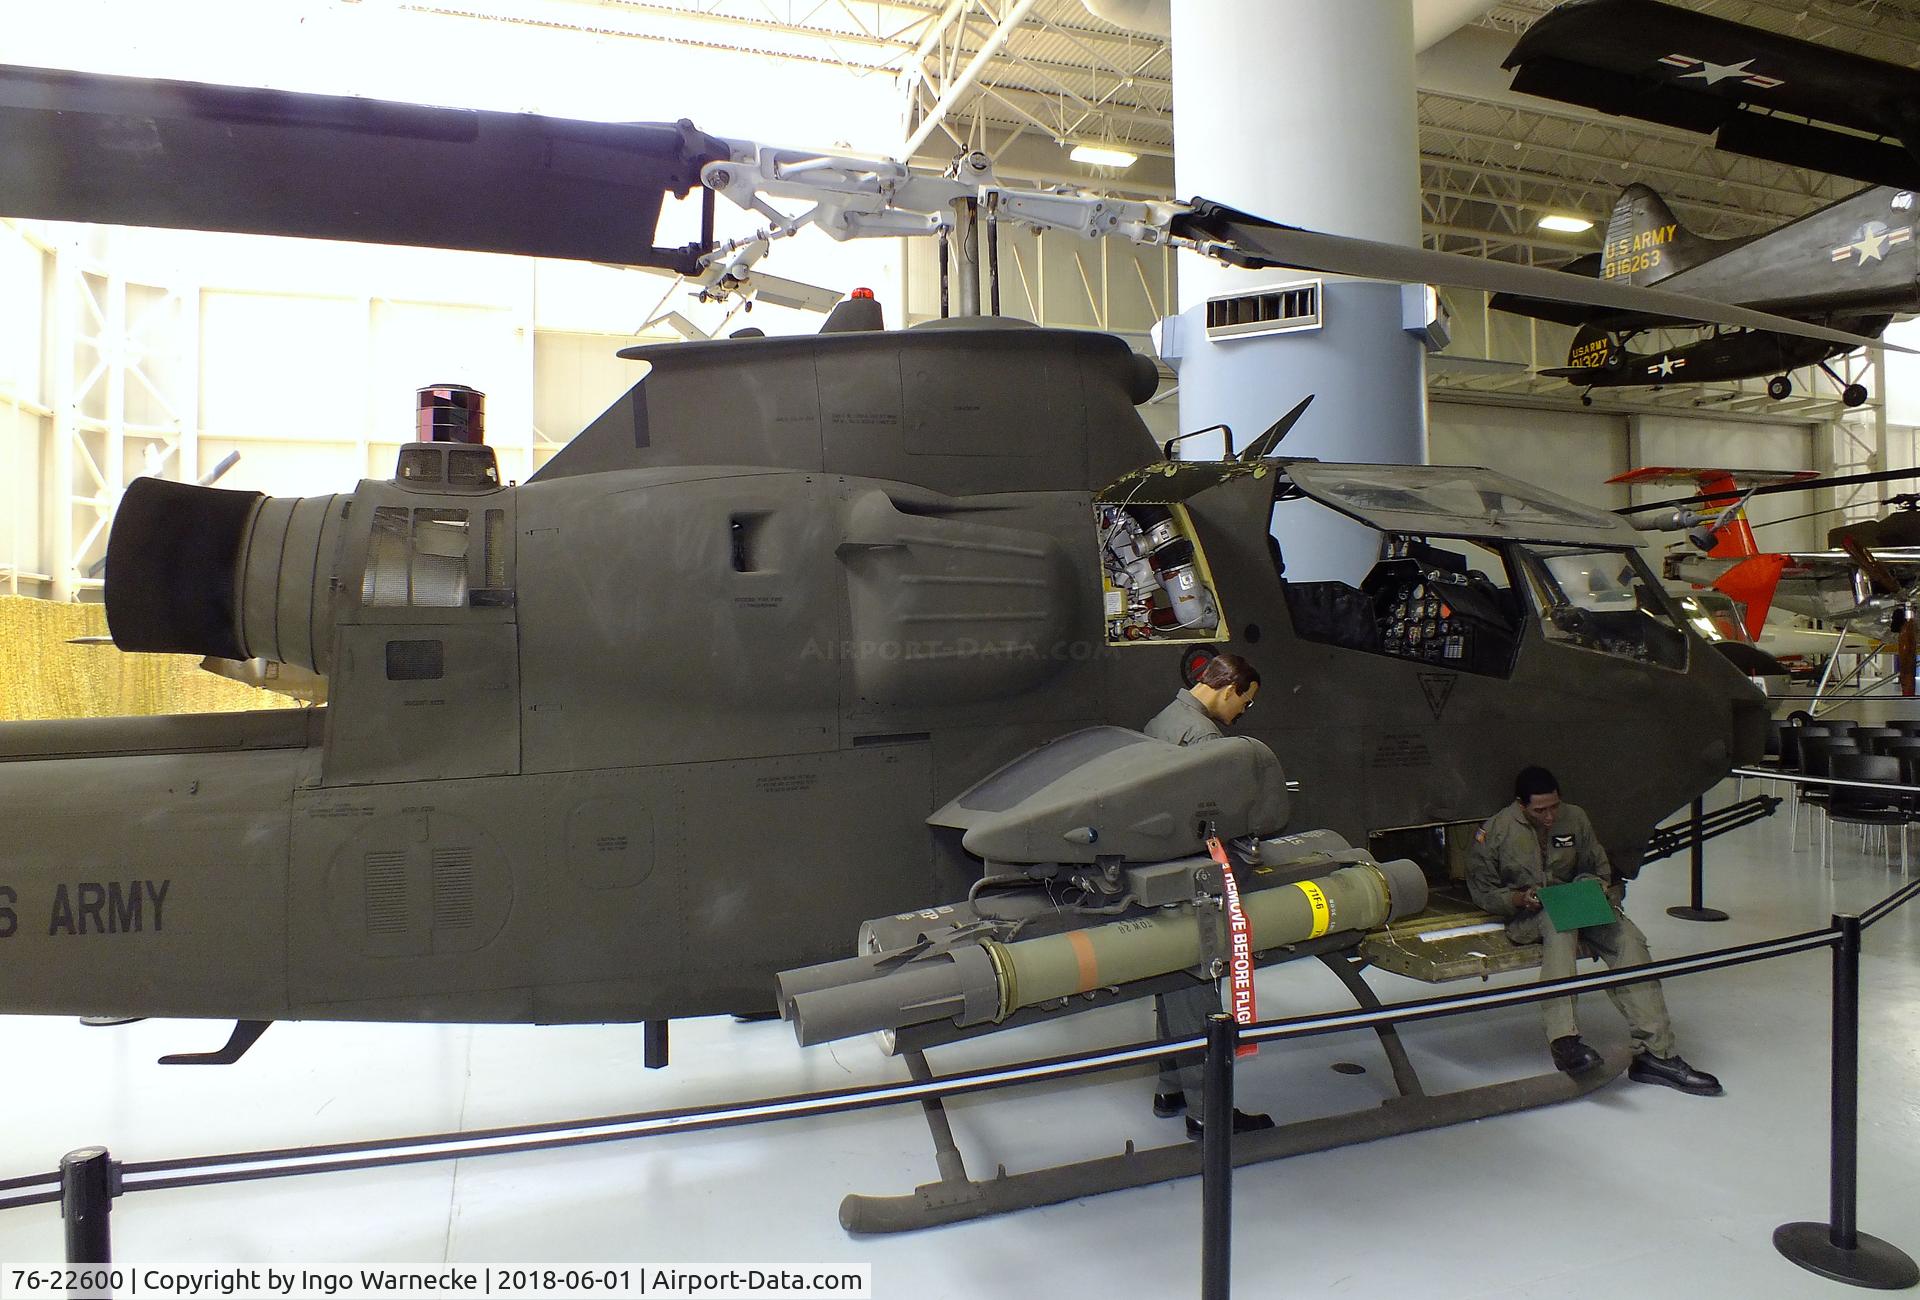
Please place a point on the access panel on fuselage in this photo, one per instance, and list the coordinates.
(783, 858)
(608, 895)
(147, 884)
(678, 616)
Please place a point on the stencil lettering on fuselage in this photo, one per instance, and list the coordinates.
(1639, 251)
(110, 907)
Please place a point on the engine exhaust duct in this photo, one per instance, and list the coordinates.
(236, 575)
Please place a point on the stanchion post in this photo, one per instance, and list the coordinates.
(1838, 1249)
(1216, 1160)
(1697, 860)
(87, 1178)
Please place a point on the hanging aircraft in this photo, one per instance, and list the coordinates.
(1853, 265)
(1865, 583)
(1759, 93)
(801, 632)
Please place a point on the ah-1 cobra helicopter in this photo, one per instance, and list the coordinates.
(622, 741)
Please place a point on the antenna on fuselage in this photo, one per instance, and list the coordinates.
(1266, 442)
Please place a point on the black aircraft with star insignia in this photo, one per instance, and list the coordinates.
(1757, 92)
(1853, 265)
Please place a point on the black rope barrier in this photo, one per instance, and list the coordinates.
(85, 1178)
(1891, 903)
(195, 1171)
(1538, 991)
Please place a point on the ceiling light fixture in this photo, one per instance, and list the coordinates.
(1565, 225)
(1101, 156)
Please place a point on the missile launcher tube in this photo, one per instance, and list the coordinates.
(1060, 965)
(973, 983)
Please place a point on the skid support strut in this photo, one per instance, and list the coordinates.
(957, 1198)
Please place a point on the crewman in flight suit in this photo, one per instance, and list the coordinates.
(1538, 840)
(1224, 692)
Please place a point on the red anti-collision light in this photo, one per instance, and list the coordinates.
(861, 293)
(450, 413)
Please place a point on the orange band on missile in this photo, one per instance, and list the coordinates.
(1085, 958)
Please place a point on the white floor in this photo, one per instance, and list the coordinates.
(1636, 1190)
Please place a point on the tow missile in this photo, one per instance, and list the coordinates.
(967, 967)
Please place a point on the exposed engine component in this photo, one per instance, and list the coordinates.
(1155, 583)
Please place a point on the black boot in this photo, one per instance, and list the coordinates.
(1573, 1056)
(1243, 1122)
(1168, 1104)
(1673, 1072)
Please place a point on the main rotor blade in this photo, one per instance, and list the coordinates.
(1804, 485)
(1255, 241)
(127, 150)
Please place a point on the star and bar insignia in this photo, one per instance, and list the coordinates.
(1715, 73)
(1873, 243)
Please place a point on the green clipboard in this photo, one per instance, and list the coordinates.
(1577, 905)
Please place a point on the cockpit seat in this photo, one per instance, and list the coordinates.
(1335, 613)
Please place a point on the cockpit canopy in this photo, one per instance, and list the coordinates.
(1455, 501)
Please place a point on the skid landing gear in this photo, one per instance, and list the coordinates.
(957, 1198)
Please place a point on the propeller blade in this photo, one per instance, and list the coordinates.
(127, 150)
(1803, 485)
(1877, 572)
(1266, 442)
(1255, 241)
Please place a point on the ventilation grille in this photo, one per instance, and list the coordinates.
(453, 889)
(1278, 310)
(386, 892)
(420, 465)
(496, 548)
(472, 467)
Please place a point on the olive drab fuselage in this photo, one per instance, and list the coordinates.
(625, 740)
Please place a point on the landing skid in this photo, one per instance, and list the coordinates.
(245, 1034)
(957, 1198)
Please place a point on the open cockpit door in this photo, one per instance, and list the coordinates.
(1455, 501)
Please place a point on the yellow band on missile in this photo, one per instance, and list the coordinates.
(1317, 900)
